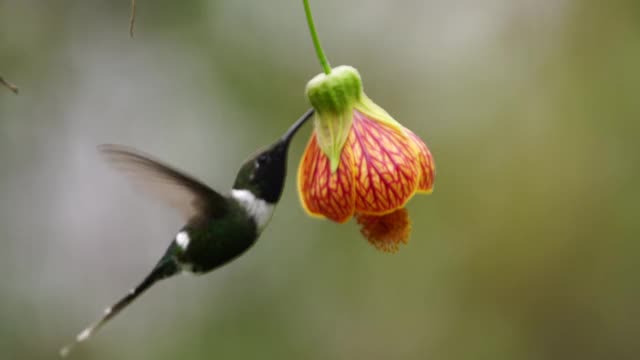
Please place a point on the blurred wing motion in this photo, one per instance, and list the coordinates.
(181, 191)
(188, 195)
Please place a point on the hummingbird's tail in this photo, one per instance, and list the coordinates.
(165, 268)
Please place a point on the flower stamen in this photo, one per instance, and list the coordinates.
(386, 232)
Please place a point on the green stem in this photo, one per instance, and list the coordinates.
(316, 41)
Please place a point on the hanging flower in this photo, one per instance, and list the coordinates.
(360, 161)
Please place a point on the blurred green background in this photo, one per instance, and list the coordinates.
(527, 249)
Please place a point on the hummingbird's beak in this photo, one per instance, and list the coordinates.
(286, 138)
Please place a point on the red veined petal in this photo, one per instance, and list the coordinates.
(386, 232)
(386, 167)
(322, 192)
(427, 167)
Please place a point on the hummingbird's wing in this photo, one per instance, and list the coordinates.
(191, 197)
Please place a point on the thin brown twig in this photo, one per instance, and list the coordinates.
(132, 18)
(9, 85)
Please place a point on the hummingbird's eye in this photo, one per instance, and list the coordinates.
(262, 159)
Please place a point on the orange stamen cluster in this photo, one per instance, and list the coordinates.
(386, 232)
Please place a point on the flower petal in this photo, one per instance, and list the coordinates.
(323, 192)
(386, 232)
(427, 167)
(386, 170)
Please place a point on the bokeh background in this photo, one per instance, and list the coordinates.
(528, 249)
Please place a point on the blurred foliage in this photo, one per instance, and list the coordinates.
(527, 249)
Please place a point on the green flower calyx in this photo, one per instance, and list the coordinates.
(334, 96)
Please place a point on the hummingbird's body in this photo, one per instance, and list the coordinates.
(219, 227)
(205, 244)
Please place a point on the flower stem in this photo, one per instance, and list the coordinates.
(316, 41)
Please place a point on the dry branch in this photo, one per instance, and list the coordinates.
(8, 85)
(132, 18)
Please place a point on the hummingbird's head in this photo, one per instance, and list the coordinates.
(264, 173)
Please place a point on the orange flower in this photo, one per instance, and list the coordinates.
(361, 162)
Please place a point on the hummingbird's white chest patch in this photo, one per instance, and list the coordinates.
(183, 239)
(260, 210)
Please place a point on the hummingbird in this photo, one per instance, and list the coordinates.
(218, 228)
